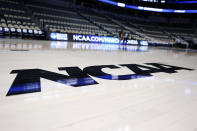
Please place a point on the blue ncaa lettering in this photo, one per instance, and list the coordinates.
(28, 80)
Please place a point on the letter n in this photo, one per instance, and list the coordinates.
(28, 81)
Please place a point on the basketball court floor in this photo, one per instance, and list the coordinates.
(63, 86)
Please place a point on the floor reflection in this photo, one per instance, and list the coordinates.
(54, 45)
(109, 47)
(16, 44)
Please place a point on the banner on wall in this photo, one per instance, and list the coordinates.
(59, 36)
(93, 39)
(143, 43)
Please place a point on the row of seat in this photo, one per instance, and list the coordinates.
(9, 1)
(160, 33)
(55, 16)
(50, 9)
(4, 9)
(64, 21)
(15, 21)
(18, 32)
(103, 22)
(162, 24)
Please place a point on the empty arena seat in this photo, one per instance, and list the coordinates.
(102, 21)
(64, 20)
(15, 21)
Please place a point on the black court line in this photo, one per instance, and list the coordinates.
(18, 50)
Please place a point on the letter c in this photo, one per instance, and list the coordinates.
(96, 71)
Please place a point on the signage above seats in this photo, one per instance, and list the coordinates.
(93, 39)
(58, 36)
(96, 39)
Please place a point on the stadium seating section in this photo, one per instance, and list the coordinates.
(15, 21)
(35, 20)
